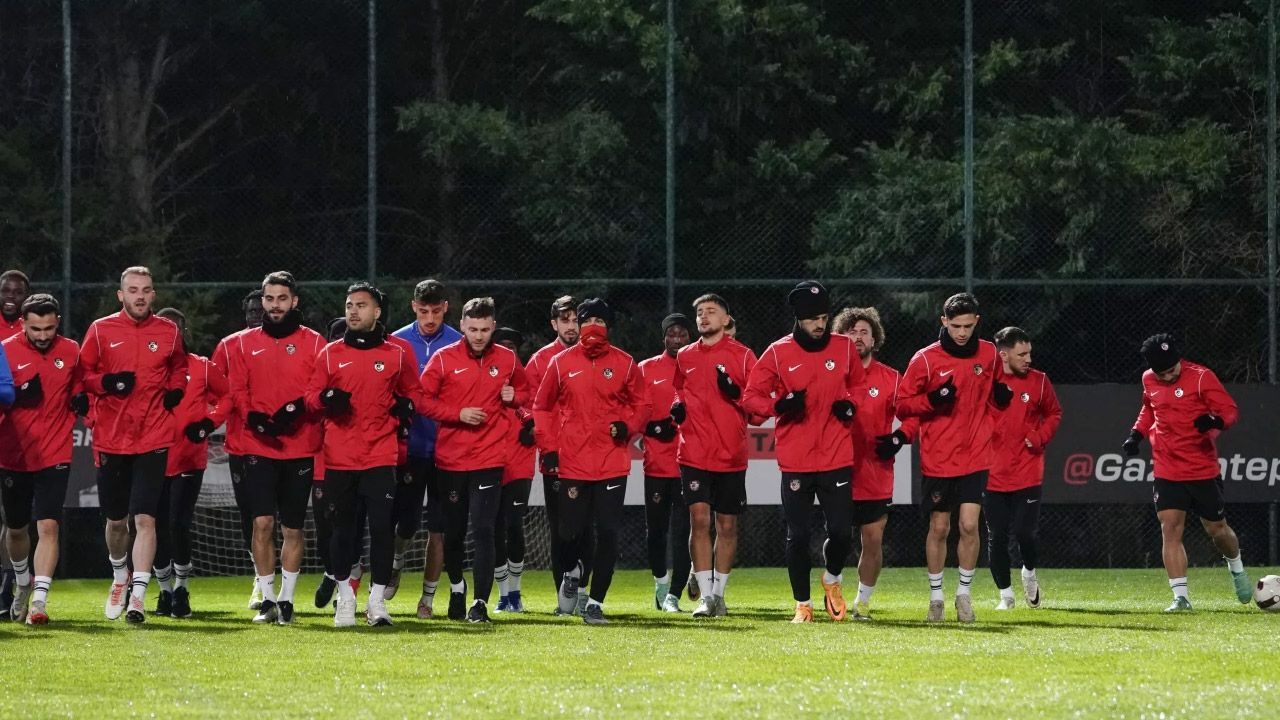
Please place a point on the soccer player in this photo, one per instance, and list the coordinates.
(712, 454)
(564, 321)
(251, 307)
(517, 481)
(1184, 409)
(807, 380)
(136, 365)
(426, 335)
(950, 387)
(271, 367)
(875, 444)
(591, 401)
(15, 287)
(665, 512)
(184, 473)
(1012, 499)
(35, 449)
(469, 388)
(365, 386)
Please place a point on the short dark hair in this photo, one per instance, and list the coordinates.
(1008, 337)
(16, 275)
(713, 298)
(562, 305)
(372, 291)
(960, 304)
(281, 277)
(249, 298)
(173, 314)
(479, 308)
(40, 304)
(849, 317)
(430, 292)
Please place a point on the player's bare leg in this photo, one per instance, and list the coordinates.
(967, 550)
(726, 552)
(1172, 525)
(264, 562)
(870, 561)
(431, 574)
(1224, 538)
(701, 553)
(935, 553)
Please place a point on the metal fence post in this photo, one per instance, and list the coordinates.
(671, 157)
(968, 145)
(1271, 195)
(66, 165)
(371, 231)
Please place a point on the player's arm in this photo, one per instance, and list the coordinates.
(638, 406)
(545, 431)
(320, 379)
(7, 393)
(1221, 404)
(519, 382)
(430, 384)
(177, 364)
(1051, 418)
(216, 383)
(91, 361)
(912, 399)
(761, 383)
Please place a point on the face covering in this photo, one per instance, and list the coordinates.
(594, 340)
(967, 350)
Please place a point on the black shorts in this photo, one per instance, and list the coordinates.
(279, 487)
(866, 512)
(1202, 496)
(947, 494)
(424, 470)
(38, 495)
(725, 491)
(131, 484)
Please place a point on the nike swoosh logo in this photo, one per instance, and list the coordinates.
(846, 482)
(1032, 501)
(459, 370)
(517, 503)
(259, 351)
(655, 382)
(944, 374)
(792, 368)
(23, 365)
(612, 487)
(575, 373)
(342, 365)
(485, 487)
(1157, 392)
(117, 344)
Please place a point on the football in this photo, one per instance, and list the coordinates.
(1266, 593)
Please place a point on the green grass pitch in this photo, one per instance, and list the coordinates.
(1099, 648)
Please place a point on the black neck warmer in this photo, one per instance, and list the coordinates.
(807, 343)
(366, 339)
(969, 349)
(287, 326)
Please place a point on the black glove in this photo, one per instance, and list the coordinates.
(844, 409)
(403, 408)
(618, 431)
(888, 445)
(526, 433)
(288, 414)
(678, 414)
(727, 386)
(944, 395)
(79, 404)
(1132, 443)
(662, 430)
(199, 431)
(260, 423)
(29, 393)
(172, 398)
(1209, 421)
(792, 402)
(1002, 394)
(551, 463)
(119, 384)
(336, 401)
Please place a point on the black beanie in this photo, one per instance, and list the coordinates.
(676, 319)
(595, 308)
(809, 300)
(1160, 352)
(503, 334)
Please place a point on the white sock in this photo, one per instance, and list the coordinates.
(864, 592)
(22, 571)
(42, 588)
(966, 579)
(1179, 586)
(267, 586)
(935, 587)
(500, 575)
(513, 580)
(357, 571)
(288, 581)
(1234, 564)
(1028, 574)
(828, 578)
(429, 590)
(140, 582)
(596, 603)
(662, 580)
(180, 575)
(346, 592)
(164, 576)
(1006, 593)
(576, 572)
(397, 562)
(721, 581)
(805, 602)
(704, 581)
(376, 592)
(119, 569)
(458, 587)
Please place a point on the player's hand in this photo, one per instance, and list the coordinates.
(1001, 394)
(336, 401)
(119, 384)
(29, 393)
(172, 398)
(261, 423)
(1132, 443)
(508, 394)
(844, 409)
(472, 416)
(402, 408)
(288, 414)
(790, 404)
(1209, 421)
(678, 414)
(618, 431)
(661, 430)
(551, 463)
(79, 404)
(199, 431)
(526, 433)
(727, 386)
(944, 395)
(888, 445)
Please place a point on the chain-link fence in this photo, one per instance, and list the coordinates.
(1095, 173)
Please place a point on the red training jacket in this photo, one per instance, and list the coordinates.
(537, 368)
(658, 374)
(955, 441)
(35, 438)
(265, 374)
(713, 436)
(1167, 417)
(206, 383)
(1032, 417)
(876, 398)
(455, 379)
(523, 459)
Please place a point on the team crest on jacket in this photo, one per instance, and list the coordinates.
(1026, 397)
(608, 373)
(694, 485)
(572, 493)
(57, 362)
(795, 484)
(977, 368)
(657, 498)
(453, 496)
(153, 346)
(379, 366)
(873, 391)
(1177, 393)
(493, 371)
(290, 349)
(829, 364)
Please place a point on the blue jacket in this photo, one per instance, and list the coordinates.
(422, 436)
(6, 379)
